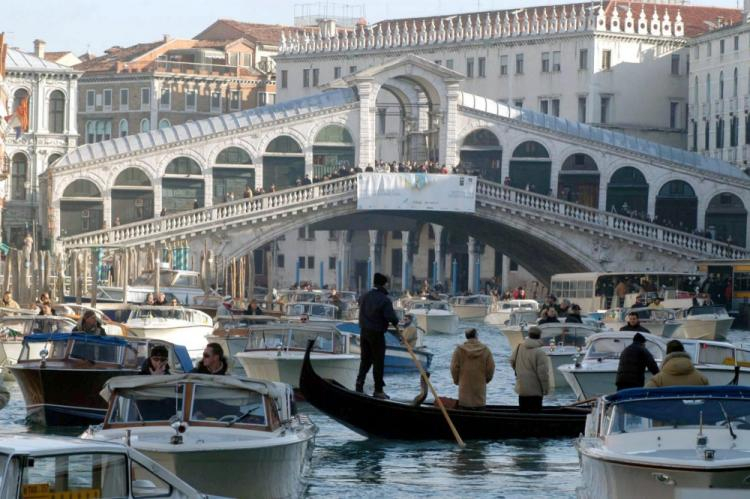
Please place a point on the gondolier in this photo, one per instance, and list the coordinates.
(375, 313)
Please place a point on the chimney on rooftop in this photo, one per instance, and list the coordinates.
(39, 46)
(167, 38)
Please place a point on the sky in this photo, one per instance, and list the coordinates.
(93, 25)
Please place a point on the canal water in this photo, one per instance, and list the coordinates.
(346, 464)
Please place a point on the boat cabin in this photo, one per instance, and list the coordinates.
(522, 318)
(644, 314)
(707, 310)
(717, 352)
(294, 337)
(313, 311)
(606, 346)
(566, 334)
(471, 300)
(428, 305)
(168, 313)
(17, 327)
(509, 305)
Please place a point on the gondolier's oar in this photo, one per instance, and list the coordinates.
(434, 394)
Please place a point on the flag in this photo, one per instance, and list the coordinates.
(19, 120)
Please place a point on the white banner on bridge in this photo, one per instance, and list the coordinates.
(416, 191)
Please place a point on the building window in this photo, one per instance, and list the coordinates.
(280, 261)
(735, 82)
(164, 123)
(747, 129)
(582, 109)
(545, 62)
(709, 49)
(301, 262)
(721, 84)
(145, 125)
(352, 69)
(122, 128)
(107, 99)
(98, 130)
(381, 120)
(555, 104)
(57, 112)
(736, 43)
(674, 109)
(19, 172)
(284, 78)
(165, 102)
(503, 65)
(305, 78)
(556, 61)
(191, 100)
(676, 64)
(331, 263)
(605, 111)
(544, 106)
(215, 102)
(721, 47)
(583, 59)
(90, 100)
(720, 133)
(482, 67)
(124, 98)
(470, 67)
(449, 63)
(310, 262)
(145, 98)
(89, 132)
(695, 136)
(316, 77)
(707, 136)
(518, 103)
(606, 60)
(337, 72)
(519, 64)
(234, 100)
(734, 131)
(550, 106)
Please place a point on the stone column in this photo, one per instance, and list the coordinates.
(438, 231)
(157, 196)
(367, 110)
(309, 170)
(652, 192)
(448, 126)
(345, 248)
(72, 106)
(208, 187)
(405, 260)
(154, 104)
(373, 244)
(505, 277)
(472, 257)
(107, 210)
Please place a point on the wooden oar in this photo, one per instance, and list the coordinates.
(439, 402)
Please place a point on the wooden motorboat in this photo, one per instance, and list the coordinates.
(471, 307)
(397, 358)
(659, 321)
(433, 316)
(399, 420)
(232, 332)
(182, 326)
(13, 330)
(709, 322)
(75, 312)
(224, 435)
(60, 375)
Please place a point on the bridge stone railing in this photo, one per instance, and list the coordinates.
(345, 189)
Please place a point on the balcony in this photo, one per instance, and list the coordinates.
(185, 68)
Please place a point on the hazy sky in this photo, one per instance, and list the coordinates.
(81, 25)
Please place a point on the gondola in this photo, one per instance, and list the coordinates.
(373, 417)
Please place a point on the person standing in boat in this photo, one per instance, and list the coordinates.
(157, 362)
(634, 324)
(253, 308)
(472, 367)
(677, 369)
(375, 313)
(213, 361)
(532, 367)
(8, 301)
(549, 316)
(574, 315)
(634, 360)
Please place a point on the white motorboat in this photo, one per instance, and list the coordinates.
(185, 285)
(433, 316)
(595, 374)
(226, 436)
(41, 467)
(75, 312)
(500, 311)
(312, 311)
(659, 321)
(231, 332)
(471, 307)
(275, 352)
(13, 329)
(178, 325)
(676, 442)
(705, 323)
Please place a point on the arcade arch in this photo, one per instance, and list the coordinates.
(132, 196)
(677, 206)
(233, 171)
(182, 185)
(530, 167)
(627, 190)
(283, 163)
(726, 218)
(482, 153)
(578, 180)
(81, 208)
(333, 149)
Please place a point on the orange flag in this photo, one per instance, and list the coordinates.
(22, 112)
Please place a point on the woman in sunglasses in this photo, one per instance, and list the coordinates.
(213, 361)
(157, 362)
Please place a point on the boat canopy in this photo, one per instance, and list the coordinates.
(610, 345)
(707, 310)
(296, 336)
(723, 391)
(28, 324)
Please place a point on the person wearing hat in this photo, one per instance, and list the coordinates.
(677, 369)
(157, 362)
(634, 360)
(532, 367)
(574, 314)
(472, 367)
(375, 313)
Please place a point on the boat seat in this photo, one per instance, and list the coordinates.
(730, 362)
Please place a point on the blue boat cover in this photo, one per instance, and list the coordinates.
(89, 338)
(353, 328)
(723, 391)
(183, 358)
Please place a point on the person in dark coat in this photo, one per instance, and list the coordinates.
(550, 316)
(634, 324)
(634, 360)
(253, 308)
(574, 315)
(157, 362)
(90, 324)
(375, 313)
(213, 361)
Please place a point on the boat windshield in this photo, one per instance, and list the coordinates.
(565, 335)
(708, 310)
(148, 404)
(430, 305)
(97, 351)
(656, 414)
(521, 317)
(242, 322)
(330, 341)
(611, 348)
(165, 313)
(76, 475)
(312, 310)
(227, 405)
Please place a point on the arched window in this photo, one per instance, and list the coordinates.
(132, 177)
(18, 97)
(132, 196)
(627, 191)
(530, 167)
(283, 163)
(82, 189)
(52, 158)
(677, 206)
(81, 208)
(90, 132)
(57, 112)
(145, 125)
(726, 219)
(123, 128)
(721, 84)
(334, 134)
(182, 185)
(482, 154)
(333, 150)
(232, 174)
(19, 176)
(234, 156)
(578, 181)
(708, 88)
(284, 145)
(164, 123)
(183, 166)
(735, 82)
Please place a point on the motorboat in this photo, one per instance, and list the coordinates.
(47, 467)
(674, 442)
(231, 332)
(433, 316)
(397, 358)
(595, 375)
(13, 330)
(659, 321)
(708, 322)
(500, 311)
(471, 307)
(182, 326)
(226, 436)
(312, 311)
(76, 311)
(186, 286)
(720, 361)
(60, 375)
(275, 352)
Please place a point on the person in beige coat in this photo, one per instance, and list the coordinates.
(532, 367)
(677, 369)
(472, 367)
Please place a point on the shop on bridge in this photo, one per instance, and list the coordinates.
(232, 173)
(578, 181)
(531, 167)
(333, 149)
(482, 154)
(182, 186)
(283, 163)
(627, 191)
(726, 219)
(132, 196)
(677, 206)
(81, 208)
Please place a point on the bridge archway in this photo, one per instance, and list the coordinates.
(81, 208)
(233, 170)
(482, 153)
(283, 163)
(333, 149)
(531, 166)
(182, 185)
(627, 190)
(677, 205)
(578, 180)
(726, 218)
(132, 196)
